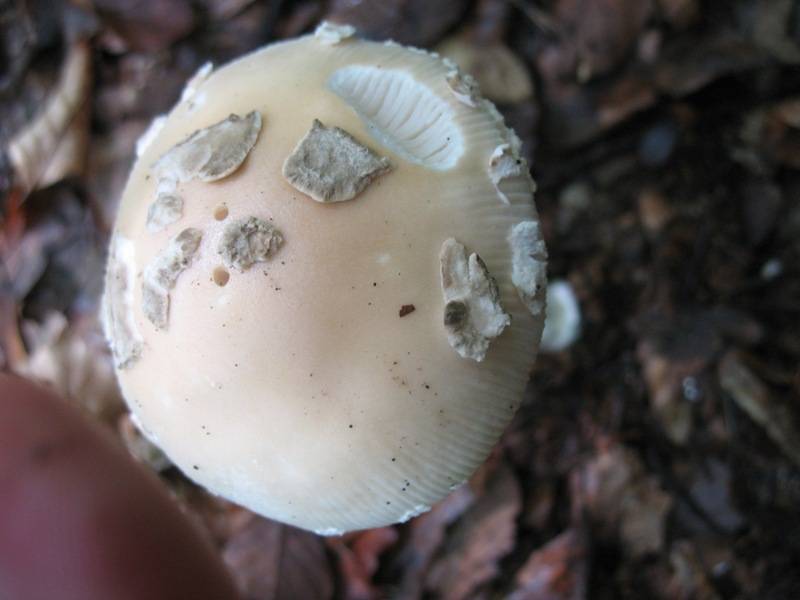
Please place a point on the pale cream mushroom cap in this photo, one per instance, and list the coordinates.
(296, 389)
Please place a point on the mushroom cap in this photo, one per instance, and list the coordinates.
(294, 387)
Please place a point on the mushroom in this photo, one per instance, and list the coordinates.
(563, 324)
(336, 322)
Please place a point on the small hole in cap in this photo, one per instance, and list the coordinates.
(221, 276)
(221, 212)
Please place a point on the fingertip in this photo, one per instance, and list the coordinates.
(81, 520)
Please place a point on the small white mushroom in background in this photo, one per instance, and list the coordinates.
(562, 326)
(322, 304)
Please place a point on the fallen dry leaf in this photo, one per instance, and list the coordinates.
(600, 483)
(772, 29)
(58, 262)
(665, 380)
(762, 201)
(13, 347)
(110, 158)
(644, 507)
(53, 145)
(753, 397)
(217, 519)
(25, 256)
(556, 571)
(711, 491)
(248, 29)
(621, 100)
(426, 534)
(142, 86)
(603, 32)
(539, 505)
(621, 500)
(369, 545)
(655, 211)
(689, 575)
(691, 64)
(775, 132)
(480, 539)
(304, 18)
(358, 559)
(414, 22)
(74, 361)
(142, 449)
(26, 28)
(579, 113)
(501, 74)
(225, 9)
(270, 561)
(148, 25)
(69, 156)
(674, 350)
(680, 13)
